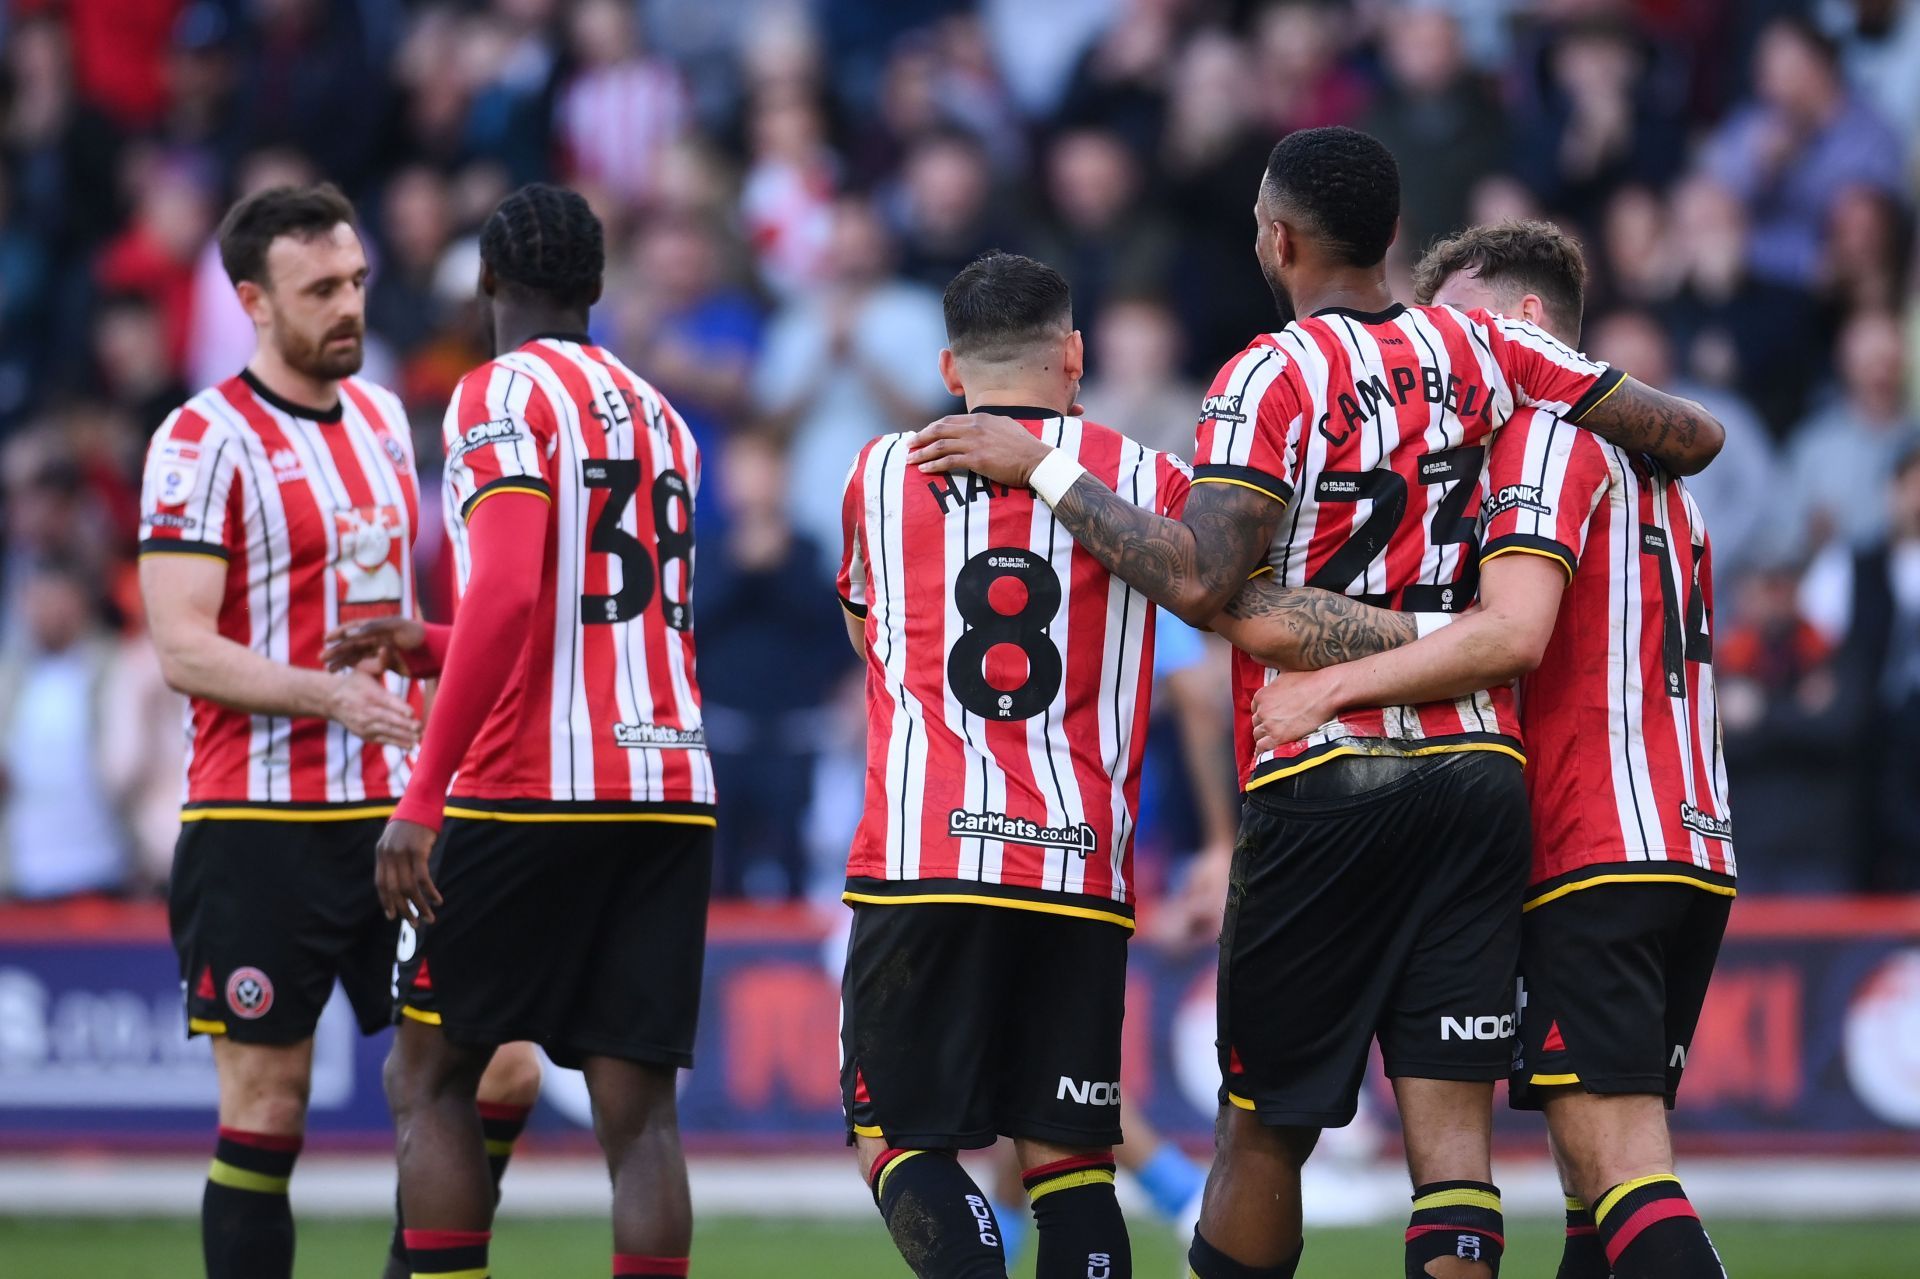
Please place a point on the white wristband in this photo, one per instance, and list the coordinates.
(1425, 624)
(1054, 476)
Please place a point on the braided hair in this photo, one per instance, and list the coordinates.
(545, 240)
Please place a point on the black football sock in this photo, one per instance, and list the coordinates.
(1650, 1231)
(1455, 1219)
(246, 1224)
(1204, 1261)
(501, 1125)
(397, 1267)
(1078, 1216)
(461, 1253)
(1583, 1257)
(939, 1218)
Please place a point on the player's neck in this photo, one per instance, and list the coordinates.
(515, 326)
(1056, 401)
(1362, 289)
(321, 395)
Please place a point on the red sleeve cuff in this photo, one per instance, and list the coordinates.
(420, 811)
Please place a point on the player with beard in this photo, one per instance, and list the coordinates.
(273, 506)
(1377, 879)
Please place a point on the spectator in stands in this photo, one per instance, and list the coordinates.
(1868, 598)
(766, 589)
(1300, 80)
(944, 210)
(1443, 126)
(1868, 245)
(1790, 153)
(1740, 493)
(844, 363)
(1122, 80)
(1134, 383)
(155, 255)
(787, 198)
(673, 312)
(1102, 236)
(416, 225)
(62, 831)
(1840, 457)
(1602, 111)
(312, 80)
(1636, 239)
(1731, 328)
(621, 109)
(1790, 732)
(132, 363)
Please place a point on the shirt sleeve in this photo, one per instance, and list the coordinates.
(853, 552)
(1174, 481)
(1248, 423)
(1545, 480)
(500, 437)
(1543, 372)
(188, 489)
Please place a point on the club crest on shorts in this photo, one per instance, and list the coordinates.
(249, 993)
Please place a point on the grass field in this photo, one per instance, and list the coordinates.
(57, 1248)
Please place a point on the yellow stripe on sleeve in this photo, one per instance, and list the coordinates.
(1221, 479)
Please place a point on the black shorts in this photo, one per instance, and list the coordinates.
(266, 914)
(585, 937)
(1612, 980)
(1370, 897)
(960, 1023)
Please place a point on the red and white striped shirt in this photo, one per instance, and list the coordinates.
(1381, 421)
(1620, 718)
(1008, 679)
(603, 708)
(314, 515)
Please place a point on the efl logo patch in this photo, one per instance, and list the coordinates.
(249, 993)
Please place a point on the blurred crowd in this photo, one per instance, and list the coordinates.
(787, 184)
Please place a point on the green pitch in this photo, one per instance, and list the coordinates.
(725, 1248)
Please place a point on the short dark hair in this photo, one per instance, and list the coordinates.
(1521, 253)
(546, 240)
(1001, 303)
(1343, 184)
(252, 225)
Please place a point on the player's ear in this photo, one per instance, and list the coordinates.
(1073, 361)
(488, 280)
(253, 300)
(950, 374)
(1533, 310)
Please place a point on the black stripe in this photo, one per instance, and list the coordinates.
(533, 482)
(1601, 388)
(287, 406)
(858, 610)
(1545, 545)
(972, 888)
(1628, 631)
(900, 690)
(1233, 430)
(1266, 481)
(213, 475)
(1053, 530)
(266, 566)
(1392, 313)
(180, 546)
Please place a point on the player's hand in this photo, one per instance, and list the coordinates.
(1194, 914)
(366, 709)
(400, 872)
(386, 639)
(1292, 705)
(994, 447)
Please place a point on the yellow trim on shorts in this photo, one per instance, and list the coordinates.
(880, 1185)
(674, 819)
(1555, 556)
(1460, 1198)
(222, 1173)
(482, 1273)
(869, 1130)
(1552, 1081)
(1221, 479)
(1637, 877)
(1614, 1196)
(1085, 1177)
(287, 814)
(1342, 751)
(500, 1146)
(424, 1016)
(1011, 903)
(201, 1026)
(1236, 1099)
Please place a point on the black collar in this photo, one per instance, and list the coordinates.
(287, 406)
(1365, 317)
(1023, 411)
(581, 338)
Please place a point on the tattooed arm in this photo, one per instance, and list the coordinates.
(1679, 434)
(1304, 628)
(1190, 566)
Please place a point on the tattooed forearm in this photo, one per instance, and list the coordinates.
(1190, 566)
(1677, 433)
(1304, 628)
